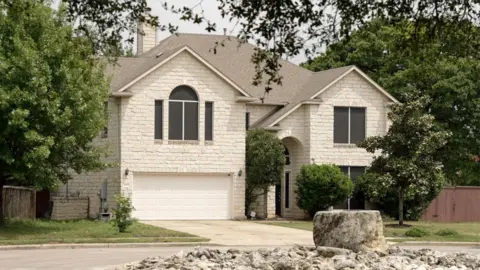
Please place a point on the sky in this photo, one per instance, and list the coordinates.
(210, 8)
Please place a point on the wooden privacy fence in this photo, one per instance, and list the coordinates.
(455, 204)
(19, 202)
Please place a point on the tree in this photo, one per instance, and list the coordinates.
(279, 28)
(321, 186)
(407, 153)
(382, 192)
(264, 164)
(444, 70)
(53, 90)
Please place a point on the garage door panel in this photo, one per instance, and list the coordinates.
(181, 197)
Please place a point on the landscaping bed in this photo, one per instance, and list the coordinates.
(308, 258)
(18, 232)
(434, 231)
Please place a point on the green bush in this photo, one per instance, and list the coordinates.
(265, 161)
(380, 191)
(122, 218)
(447, 232)
(416, 232)
(321, 186)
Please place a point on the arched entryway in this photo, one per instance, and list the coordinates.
(285, 205)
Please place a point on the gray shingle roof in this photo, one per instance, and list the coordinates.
(316, 82)
(126, 69)
(233, 60)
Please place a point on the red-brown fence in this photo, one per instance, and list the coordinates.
(455, 204)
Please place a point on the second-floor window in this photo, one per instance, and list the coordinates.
(208, 121)
(348, 125)
(183, 114)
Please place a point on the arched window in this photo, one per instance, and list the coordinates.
(183, 114)
(287, 156)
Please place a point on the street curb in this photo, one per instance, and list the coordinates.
(431, 243)
(106, 245)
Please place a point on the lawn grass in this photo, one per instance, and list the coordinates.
(18, 232)
(467, 232)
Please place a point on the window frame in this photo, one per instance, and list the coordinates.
(155, 119)
(106, 115)
(183, 102)
(287, 190)
(349, 124)
(205, 126)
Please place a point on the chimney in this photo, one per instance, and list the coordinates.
(224, 31)
(146, 38)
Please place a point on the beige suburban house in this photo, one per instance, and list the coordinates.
(178, 119)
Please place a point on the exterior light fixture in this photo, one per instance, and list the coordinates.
(127, 171)
(240, 173)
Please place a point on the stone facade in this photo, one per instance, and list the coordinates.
(66, 208)
(148, 40)
(307, 133)
(351, 91)
(225, 154)
(89, 184)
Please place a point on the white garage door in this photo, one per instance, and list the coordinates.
(181, 197)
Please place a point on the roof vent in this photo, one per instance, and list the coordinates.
(158, 55)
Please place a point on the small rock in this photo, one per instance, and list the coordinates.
(329, 252)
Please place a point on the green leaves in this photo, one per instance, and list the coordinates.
(443, 71)
(52, 97)
(265, 161)
(407, 154)
(321, 186)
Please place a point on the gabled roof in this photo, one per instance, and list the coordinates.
(127, 69)
(317, 84)
(232, 62)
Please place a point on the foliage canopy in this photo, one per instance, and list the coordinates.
(265, 162)
(53, 92)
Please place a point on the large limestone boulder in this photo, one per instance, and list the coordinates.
(354, 230)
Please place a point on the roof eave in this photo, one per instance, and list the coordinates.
(121, 94)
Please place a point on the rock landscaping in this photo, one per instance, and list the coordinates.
(306, 258)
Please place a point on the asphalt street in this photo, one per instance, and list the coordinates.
(109, 258)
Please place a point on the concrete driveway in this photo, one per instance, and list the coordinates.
(241, 233)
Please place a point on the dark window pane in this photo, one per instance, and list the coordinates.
(191, 121)
(247, 120)
(208, 121)
(287, 190)
(105, 114)
(287, 156)
(344, 169)
(357, 124)
(183, 93)
(158, 119)
(340, 125)
(175, 115)
(355, 172)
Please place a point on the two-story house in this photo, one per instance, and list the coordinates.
(178, 119)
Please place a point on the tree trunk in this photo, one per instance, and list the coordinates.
(2, 183)
(401, 195)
